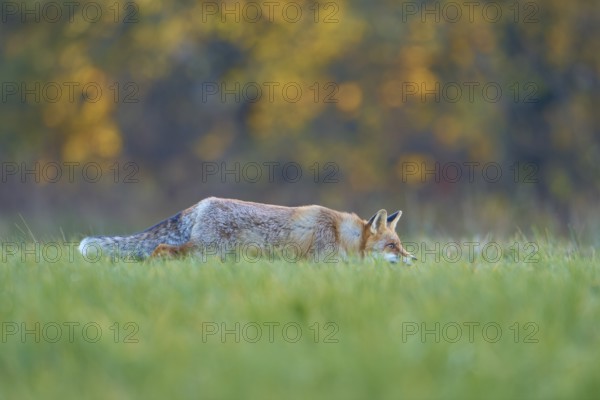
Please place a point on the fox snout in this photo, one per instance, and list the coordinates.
(407, 258)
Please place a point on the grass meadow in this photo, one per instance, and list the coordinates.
(521, 324)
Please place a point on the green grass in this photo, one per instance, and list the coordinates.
(363, 313)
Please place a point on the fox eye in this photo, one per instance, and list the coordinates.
(391, 245)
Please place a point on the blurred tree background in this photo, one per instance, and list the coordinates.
(365, 97)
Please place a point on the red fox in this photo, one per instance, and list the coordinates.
(224, 224)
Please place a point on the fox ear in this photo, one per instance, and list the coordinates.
(378, 221)
(393, 219)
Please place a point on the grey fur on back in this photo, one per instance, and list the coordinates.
(230, 222)
(219, 220)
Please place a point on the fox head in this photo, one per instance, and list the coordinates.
(380, 238)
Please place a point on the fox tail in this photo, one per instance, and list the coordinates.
(174, 231)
